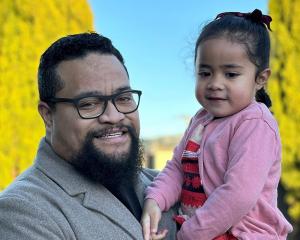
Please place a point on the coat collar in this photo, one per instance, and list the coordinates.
(96, 196)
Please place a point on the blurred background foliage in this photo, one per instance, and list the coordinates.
(28, 27)
(284, 88)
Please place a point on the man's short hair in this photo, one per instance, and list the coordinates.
(68, 48)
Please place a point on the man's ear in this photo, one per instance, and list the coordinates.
(262, 78)
(46, 113)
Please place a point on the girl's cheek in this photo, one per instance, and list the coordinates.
(198, 93)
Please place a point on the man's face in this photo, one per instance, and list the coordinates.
(93, 74)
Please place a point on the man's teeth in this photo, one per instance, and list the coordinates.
(111, 135)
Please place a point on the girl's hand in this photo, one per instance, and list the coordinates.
(150, 219)
(160, 235)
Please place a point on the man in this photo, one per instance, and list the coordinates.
(87, 181)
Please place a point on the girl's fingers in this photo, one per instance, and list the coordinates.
(154, 220)
(146, 227)
(160, 235)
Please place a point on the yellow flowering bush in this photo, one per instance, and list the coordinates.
(284, 88)
(27, 28)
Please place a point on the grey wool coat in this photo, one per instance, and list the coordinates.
(51, 201)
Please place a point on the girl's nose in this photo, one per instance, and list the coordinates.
(215, 83)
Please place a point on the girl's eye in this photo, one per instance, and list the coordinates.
(231, 75)
(203, 74)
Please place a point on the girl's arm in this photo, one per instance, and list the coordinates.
(163, 193)
(151, 210)
(166, 188)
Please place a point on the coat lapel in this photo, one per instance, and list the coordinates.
(102, 201)
(96, 196)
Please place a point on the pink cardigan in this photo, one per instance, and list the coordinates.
(240, 166)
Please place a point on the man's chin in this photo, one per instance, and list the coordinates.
(107, 164)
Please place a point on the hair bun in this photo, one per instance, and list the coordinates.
(257, 16)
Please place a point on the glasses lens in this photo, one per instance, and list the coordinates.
(127, 102)
(90, 107)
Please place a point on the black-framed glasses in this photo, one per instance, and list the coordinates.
(93, 106)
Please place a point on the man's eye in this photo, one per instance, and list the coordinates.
(88, 104)
(124, 98)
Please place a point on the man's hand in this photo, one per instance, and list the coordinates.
(150, 219)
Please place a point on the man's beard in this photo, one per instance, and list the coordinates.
(107, 169)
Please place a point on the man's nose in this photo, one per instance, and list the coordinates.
(111, 114)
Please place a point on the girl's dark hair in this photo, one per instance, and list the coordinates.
(248, 29)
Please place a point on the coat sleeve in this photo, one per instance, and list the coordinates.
(23, 220)
(252, 151)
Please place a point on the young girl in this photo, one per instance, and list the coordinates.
(226, 169)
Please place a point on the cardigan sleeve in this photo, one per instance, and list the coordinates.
(166, 187)
(253, 149)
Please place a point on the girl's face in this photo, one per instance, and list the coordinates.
(226, 81)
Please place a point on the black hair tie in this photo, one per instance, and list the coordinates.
(255, 16)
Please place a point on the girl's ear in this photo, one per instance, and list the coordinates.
(262, 78)
(46, 113)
